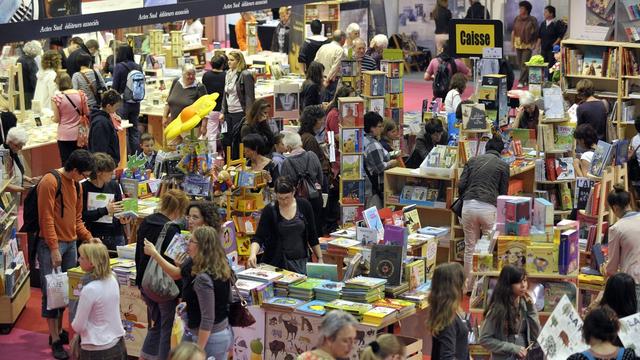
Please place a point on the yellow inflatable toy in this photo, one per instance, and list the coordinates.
(191, 116)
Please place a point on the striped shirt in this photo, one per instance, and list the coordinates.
(368, 63)
(376, 160)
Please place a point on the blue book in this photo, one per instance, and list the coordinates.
(314, 308)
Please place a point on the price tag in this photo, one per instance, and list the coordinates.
(492, 53)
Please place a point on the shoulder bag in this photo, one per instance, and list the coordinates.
(156, 284)
(83, 124)
(239, 314)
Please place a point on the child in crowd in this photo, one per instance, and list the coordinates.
(146, 144)
(385, 347)
(278, 155)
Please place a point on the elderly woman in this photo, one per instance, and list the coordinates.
(353, 32)
(337, 335)
(16, 139)
(376, 47)
(301, 163)
(46, 87)
(528, 114)
(184, 92)
(30, 51)
(239, 94)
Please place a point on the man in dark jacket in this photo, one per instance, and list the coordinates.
(280, 40)
(483, 179)
(103, 136)
(130, 110)
(90, 47)
(312, 44)
(550, 33)
(477, 11)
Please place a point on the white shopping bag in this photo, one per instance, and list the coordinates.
(57, 289)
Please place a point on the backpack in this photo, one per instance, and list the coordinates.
(442, 78)
(30, 210)
(83, 123)
(135, 91)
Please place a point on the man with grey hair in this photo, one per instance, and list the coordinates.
(30, 51)
(337, 337)
(330, 55)
(365, 62)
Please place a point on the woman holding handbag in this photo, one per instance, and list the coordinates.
(69, 106)
(173, 205)
(206, 276)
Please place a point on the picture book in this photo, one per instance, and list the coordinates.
(395, 235)
(555, 290)
(564, 168)
(373, 83)
(351, 140)
(542, 214)
(322, 271)
(601, 158)
(397, 304)
(366, 236)
(246, 179)
(246, 224)
(378, 315)
(386, 263)
(376, 105)
(563, 137)
(474, 117)
(592, 63)
(583, 188)
(527, 137)
(349, 306)
(178, 245)
(348, 68)
(351, 111)
(553, 102)
(351, 167)
(568, 261)
(621, 154)
(512, 252)
(228, 237)
(561, 335)
(289, 277)
(414, 273)
(548, 138)
(313, 308)
(365, 282)
(284, 302)
(565, 197)
(100, 200)
(629, 333)
(372, 219)
(395, 86)
(344, 242)
(351, 214)
(245, 286)
(259, 275)
(542, 258)
(352, 192)
(411, 218)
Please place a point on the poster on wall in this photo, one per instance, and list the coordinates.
(356, 12)
(592, 19)
(414, 20)
(39, 19)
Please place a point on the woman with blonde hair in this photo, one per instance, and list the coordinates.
(205, 277)
(446, 319)
(173, 206)
(385, 347)
(239, 94)
(187, 351)
(46, 86)
(97, 318)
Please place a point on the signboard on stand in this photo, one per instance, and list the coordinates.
(468, 38)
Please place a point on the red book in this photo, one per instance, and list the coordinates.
(550, 167)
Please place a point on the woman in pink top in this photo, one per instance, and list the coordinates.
(624, 242)
(333, 121)
(444, 55)
(67, 107)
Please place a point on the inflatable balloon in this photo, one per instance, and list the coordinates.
(191, 116)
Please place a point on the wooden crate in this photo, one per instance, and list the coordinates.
(413, 347)
(10, 308)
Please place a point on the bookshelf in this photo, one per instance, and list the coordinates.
(351, 148)
(328, 12)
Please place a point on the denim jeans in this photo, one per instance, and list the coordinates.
(112, 241)
(157, 343)
(131, 112)
(68, 253)
(218, 344)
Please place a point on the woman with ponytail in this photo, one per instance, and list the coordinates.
(624, 243)
(385, 347)
(446, 319)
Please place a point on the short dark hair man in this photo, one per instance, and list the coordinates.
(550, 34)
(103, 136)
(60, 220)
(312, 44)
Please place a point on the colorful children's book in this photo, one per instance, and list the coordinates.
(386, 262)
(351, 167)
(564, 168)
(259, 275)
(568, 261)
(563, 137)
(561, 335)
(228, 237)
(366, 235)
(601, 158)
(313, 308)
(322, 271)
(474, 117)
(365, 282)
(629, 333)
(378, 315)
(411, 218)
(351, 140)
(373, 221)
(178, 245)
(352, 192)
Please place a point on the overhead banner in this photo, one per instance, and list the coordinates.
(38, 19)
(469, 37)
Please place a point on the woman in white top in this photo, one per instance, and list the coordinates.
(586, 139)
(97, 320)
(454, 96)
(46, 86)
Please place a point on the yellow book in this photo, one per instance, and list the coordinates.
(542, 258)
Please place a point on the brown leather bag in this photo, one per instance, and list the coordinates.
(239, 314)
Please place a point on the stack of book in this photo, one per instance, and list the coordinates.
(304, 289)
(281, 286)
(419, 295)
(282, 303)
(378, 316)
(259, 274)
(403, 307)
(364, 289)
(125, 271)
(254, 292)
(354, 308)
(328, 291)
(394, 291)
(312, 308)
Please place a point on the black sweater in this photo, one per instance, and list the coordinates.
(103, 136)
(452, 342)
(90, 217)
(267, 231)
(214, 83)
(150, 229)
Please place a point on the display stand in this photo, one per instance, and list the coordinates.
(16, 89)
(352, 179)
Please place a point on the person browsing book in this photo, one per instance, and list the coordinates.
(591, 110)
(528, 113)
(511, 322)
(600, 331)
(101, 199)
(206, 287)
(447, 322)
(586, 139)
(286, 231)
(202, 213)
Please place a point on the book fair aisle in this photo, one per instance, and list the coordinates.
(303, 179)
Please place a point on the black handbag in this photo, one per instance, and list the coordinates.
(535, 352)
(456, 206)
(239, 314)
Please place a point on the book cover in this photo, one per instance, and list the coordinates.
(351, 111)
(372, 219)
(474, 117)
(564, 168)
(414, 273)
(259, 275)
(351, 214)
(352, 192)
(553, 103)
(561, 335)
(512, 252)
(100, 200)
(344, 242)
(550, 167)
(547, 137)
(565, 196)
(542, 258)
(377, 315)
(366, 236)
(351, 140)
(178, 245)
(284, 302)
(376, 105)
(386, 263)
(568, 253)
(621, 151)
(563, 137)
(228, 237)
(395, 235)
(374, 83)
(542, 214)
(583, 188)
(314, 308)
(349, 306)
(351, 167)
(629, 333)
(527, 137)
(412, 219)
(322, 271)
(365, 281)
(601, 158)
